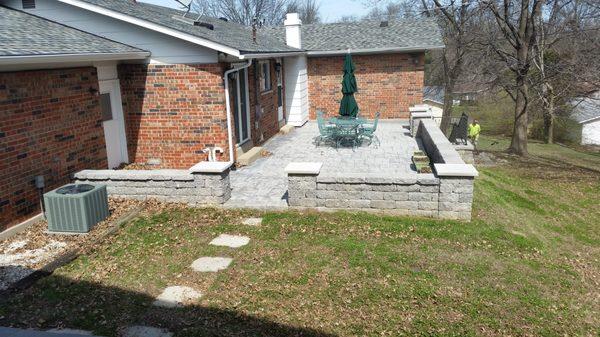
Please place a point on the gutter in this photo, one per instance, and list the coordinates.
(270, 55)
(374, 50)
(62, 58)
(228, 108)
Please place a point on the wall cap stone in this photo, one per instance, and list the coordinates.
(303, 168)
(136, 175)
(210, 167)
(455, 170)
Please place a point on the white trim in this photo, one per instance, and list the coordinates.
(228, 107)
(61, 58)
(155, 27)
(373, 50)
(270, 55)
(113, 88)
(590, 120)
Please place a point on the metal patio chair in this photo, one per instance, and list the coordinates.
(327, 132)
(367, 130)
(459, 130)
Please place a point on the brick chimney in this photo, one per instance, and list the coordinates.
(293, 32)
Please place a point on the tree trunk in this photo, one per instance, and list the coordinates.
(518, 144)
(549, 127)
(448, 103)
(549, 114)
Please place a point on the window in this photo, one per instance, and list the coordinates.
(265, 75)
(106, 107)
(28, 4)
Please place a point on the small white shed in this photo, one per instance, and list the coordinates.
(433, 97)
(586, 111)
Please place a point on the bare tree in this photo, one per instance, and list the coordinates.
(455, 18)
(308, 10)
(271, 12)
(394, 10)
(562, 58)
(517, 23)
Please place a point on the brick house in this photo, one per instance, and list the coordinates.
(98, 83)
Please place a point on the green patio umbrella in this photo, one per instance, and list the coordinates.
(348, 106)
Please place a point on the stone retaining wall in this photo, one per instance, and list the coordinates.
(447, 194)
(168, 185)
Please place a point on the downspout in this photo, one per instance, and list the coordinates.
(228, 107)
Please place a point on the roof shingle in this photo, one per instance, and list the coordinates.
(408, 34)
(229, 34)
(23, 34)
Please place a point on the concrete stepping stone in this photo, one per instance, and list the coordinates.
(177, 296)
(252, 221)
(145, 331)
(232, 241)
(211, 264)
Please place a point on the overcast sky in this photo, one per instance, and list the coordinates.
(331, 10)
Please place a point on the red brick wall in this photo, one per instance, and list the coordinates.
(50, 125)
(389, 83)
(173, 112)
(268, 122)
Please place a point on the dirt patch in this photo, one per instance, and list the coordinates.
(32, 249)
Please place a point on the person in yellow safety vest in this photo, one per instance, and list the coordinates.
(474, 131)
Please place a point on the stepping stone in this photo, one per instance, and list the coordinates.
(177, 296)
(146, 331)
(211, 264)
(252, 221)
(232, 241)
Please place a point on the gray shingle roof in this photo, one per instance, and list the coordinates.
(229, 34)
(585, 109)
(408, 33)
(23, 34)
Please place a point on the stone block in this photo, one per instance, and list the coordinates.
(429, 188)
(428, 205)
(407, 205)
(372, 195)
(385, 188)
(397, 196)
(465, 198)
(418, 196)
(449, 197)
(383, 204)
(305, 202)
(359, 203)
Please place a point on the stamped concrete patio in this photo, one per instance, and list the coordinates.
(264, 183)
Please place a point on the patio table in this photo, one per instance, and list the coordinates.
(348, 128)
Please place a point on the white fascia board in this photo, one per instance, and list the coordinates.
(373, 50)
(271, 55)
(153, 26)
(590, 120)
(65, 58)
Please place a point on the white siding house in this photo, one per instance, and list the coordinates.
(586, 111)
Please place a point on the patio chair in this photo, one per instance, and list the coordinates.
(368, 130)
(459, 131)
(327, 133)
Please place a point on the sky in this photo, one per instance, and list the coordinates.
(331, 10)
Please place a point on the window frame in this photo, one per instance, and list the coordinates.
(265, 76)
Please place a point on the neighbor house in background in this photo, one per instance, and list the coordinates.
(98, 83)
(433, 97)
(586, 112)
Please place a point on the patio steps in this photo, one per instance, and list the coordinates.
(250, 156)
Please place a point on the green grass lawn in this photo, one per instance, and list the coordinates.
(527, 265)
(553, 152)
